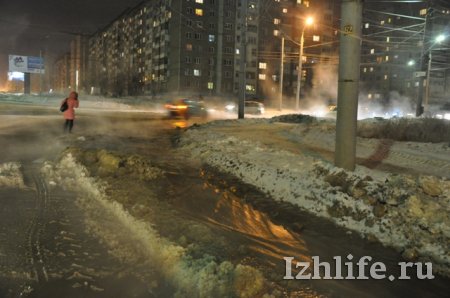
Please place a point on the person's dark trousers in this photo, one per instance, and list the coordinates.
(68, 126)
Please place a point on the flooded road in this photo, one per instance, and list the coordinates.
(183, 233)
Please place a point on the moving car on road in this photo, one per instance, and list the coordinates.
(251, 107)
(254, 107)
(186, 108)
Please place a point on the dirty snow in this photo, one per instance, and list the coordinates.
(408, 213)
(11, 175)
(134, 240)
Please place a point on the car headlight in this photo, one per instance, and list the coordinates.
(230, 107)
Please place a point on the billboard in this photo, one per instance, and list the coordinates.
(26, 64)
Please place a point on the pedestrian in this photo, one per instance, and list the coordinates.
(69, 113)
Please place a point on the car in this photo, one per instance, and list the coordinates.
(254, 107)
(186, 108)
(251, 107)
(443, 112)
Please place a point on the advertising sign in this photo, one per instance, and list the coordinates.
(26, 64)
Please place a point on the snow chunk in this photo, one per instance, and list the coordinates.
(11, 175)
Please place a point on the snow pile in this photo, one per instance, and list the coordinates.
(432, 159)
(409, 214)
(104, 163)
(11, 175)
(136, 241)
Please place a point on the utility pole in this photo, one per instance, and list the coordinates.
(308, 21)
(423, 65)
(299, 71)
(243, 60)
(349, 60)
(427, 88)
(40, 72)
(281, 73)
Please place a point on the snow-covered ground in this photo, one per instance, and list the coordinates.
(406, 205)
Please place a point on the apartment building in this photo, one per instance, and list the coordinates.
(193, 47)
(166, 46)
(397, 41)
(61, 74)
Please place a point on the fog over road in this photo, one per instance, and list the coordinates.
(163, 225)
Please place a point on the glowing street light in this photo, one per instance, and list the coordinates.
(440, 38)
(308, 22)
(411, 62)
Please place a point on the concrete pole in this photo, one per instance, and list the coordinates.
(427, 88)
(422, 66)
(281, 73)
(299, 71)
(40, 72)
(349, 64)
(27, 83)
(243, 60)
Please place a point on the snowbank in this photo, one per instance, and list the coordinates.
(11, 175)
(138, 242)
(408, 213)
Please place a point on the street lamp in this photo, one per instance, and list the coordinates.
(308, 22)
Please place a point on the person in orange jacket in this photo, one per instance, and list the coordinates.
(69, 114)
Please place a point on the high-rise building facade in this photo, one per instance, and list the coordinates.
(398, 39)
(193, 47)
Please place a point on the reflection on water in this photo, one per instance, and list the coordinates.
(179, 124)
(266, 237)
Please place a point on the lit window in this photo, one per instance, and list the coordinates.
(366, 26)
(365, 69)
(388, 39)
(199, 11)
(210, 85)
(262, 65)
(285, 10)
(199, 1)
(276, 32)
(423, 12)
(211, 38)
(189, 47)
(249, 87)
(387, 58)
(316, 38)
(276, 21)
(371, 69)
(237, 51)
(369, 96)
(197, 72)
(385, 77)
(382, 22)
(372, 51)
(262, 76)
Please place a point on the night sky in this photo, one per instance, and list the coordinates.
(30, 26)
